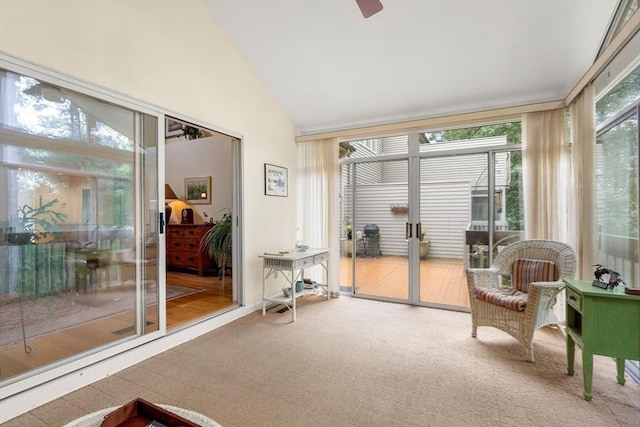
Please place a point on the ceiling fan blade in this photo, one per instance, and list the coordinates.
(369, 7)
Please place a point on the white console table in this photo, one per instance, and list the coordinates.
(291, 265)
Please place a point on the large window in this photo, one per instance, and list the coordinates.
(617, 176)
(70, 171)
(617, 180)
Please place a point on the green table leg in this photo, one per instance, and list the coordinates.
(587, 366)
(620, 369)
(571, 347)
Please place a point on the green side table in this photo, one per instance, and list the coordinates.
(604, 322)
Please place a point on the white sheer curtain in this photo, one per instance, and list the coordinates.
(545, 164)
(318, 175)
(583, 216)
(545, 175)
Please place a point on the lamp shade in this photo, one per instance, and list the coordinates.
(169, 193)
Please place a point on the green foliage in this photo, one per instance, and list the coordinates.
(218, 240)
(513, 132)
(618, 181)
(513, 201)
(622, 95)
(191, 132)
(41, 218)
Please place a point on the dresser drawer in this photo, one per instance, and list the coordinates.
(183, 259)
(184, 245)
(574, 299)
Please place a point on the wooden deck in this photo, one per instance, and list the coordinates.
(442, 280)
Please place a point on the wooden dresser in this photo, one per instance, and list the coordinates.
(183, 242)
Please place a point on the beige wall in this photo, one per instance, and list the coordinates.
(175, 55)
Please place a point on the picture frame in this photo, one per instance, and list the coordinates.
(172, 128)
(276, 180)
(197, 190)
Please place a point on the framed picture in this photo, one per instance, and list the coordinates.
(198, 190)
(172, 128)
(276, 180)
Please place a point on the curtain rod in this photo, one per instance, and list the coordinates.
(430, 122)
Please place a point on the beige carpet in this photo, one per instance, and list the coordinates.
(353, 362)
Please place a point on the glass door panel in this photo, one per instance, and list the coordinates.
(460, 197)
(375, 256)
(454, 212)
(70, 220)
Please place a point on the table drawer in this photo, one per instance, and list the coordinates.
(574, 299)
(304, 262)
(320, 258)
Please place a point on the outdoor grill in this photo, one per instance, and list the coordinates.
(371, 240)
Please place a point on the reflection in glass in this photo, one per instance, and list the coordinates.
(67, 223)
(617, 198)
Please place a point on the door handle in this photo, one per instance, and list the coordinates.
(418, 233)
(161, 222)
(407, 230)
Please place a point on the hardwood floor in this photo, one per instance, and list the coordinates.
(64, 342)
(442, 280)
(214, 297)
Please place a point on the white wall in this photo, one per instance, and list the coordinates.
(172, 54)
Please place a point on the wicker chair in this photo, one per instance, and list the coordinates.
(517, 293)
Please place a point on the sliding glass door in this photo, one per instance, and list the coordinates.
(78, 223)
(374, 245)
(417, 211)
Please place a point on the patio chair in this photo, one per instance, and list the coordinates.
(517, 293)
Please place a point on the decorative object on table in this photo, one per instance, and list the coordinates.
(198, 190)
(169, 195)
(299, 285)
(187, 216)
(302, 245)
(139, 410)
(276, 180)
(606, 278)
(286, 292)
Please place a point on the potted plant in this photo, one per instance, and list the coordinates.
(191, 132)
(217, 242)
(347, 245)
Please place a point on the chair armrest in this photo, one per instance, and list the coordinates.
(482, 277)
(559, 284)
(542, 295)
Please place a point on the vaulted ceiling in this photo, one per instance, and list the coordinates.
(330, 68)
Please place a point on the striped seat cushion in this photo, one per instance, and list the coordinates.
(525, 271)
(508, 297)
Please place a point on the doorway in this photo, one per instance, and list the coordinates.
(417, 212)
(199, 196)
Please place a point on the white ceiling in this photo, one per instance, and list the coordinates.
(330, 68)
